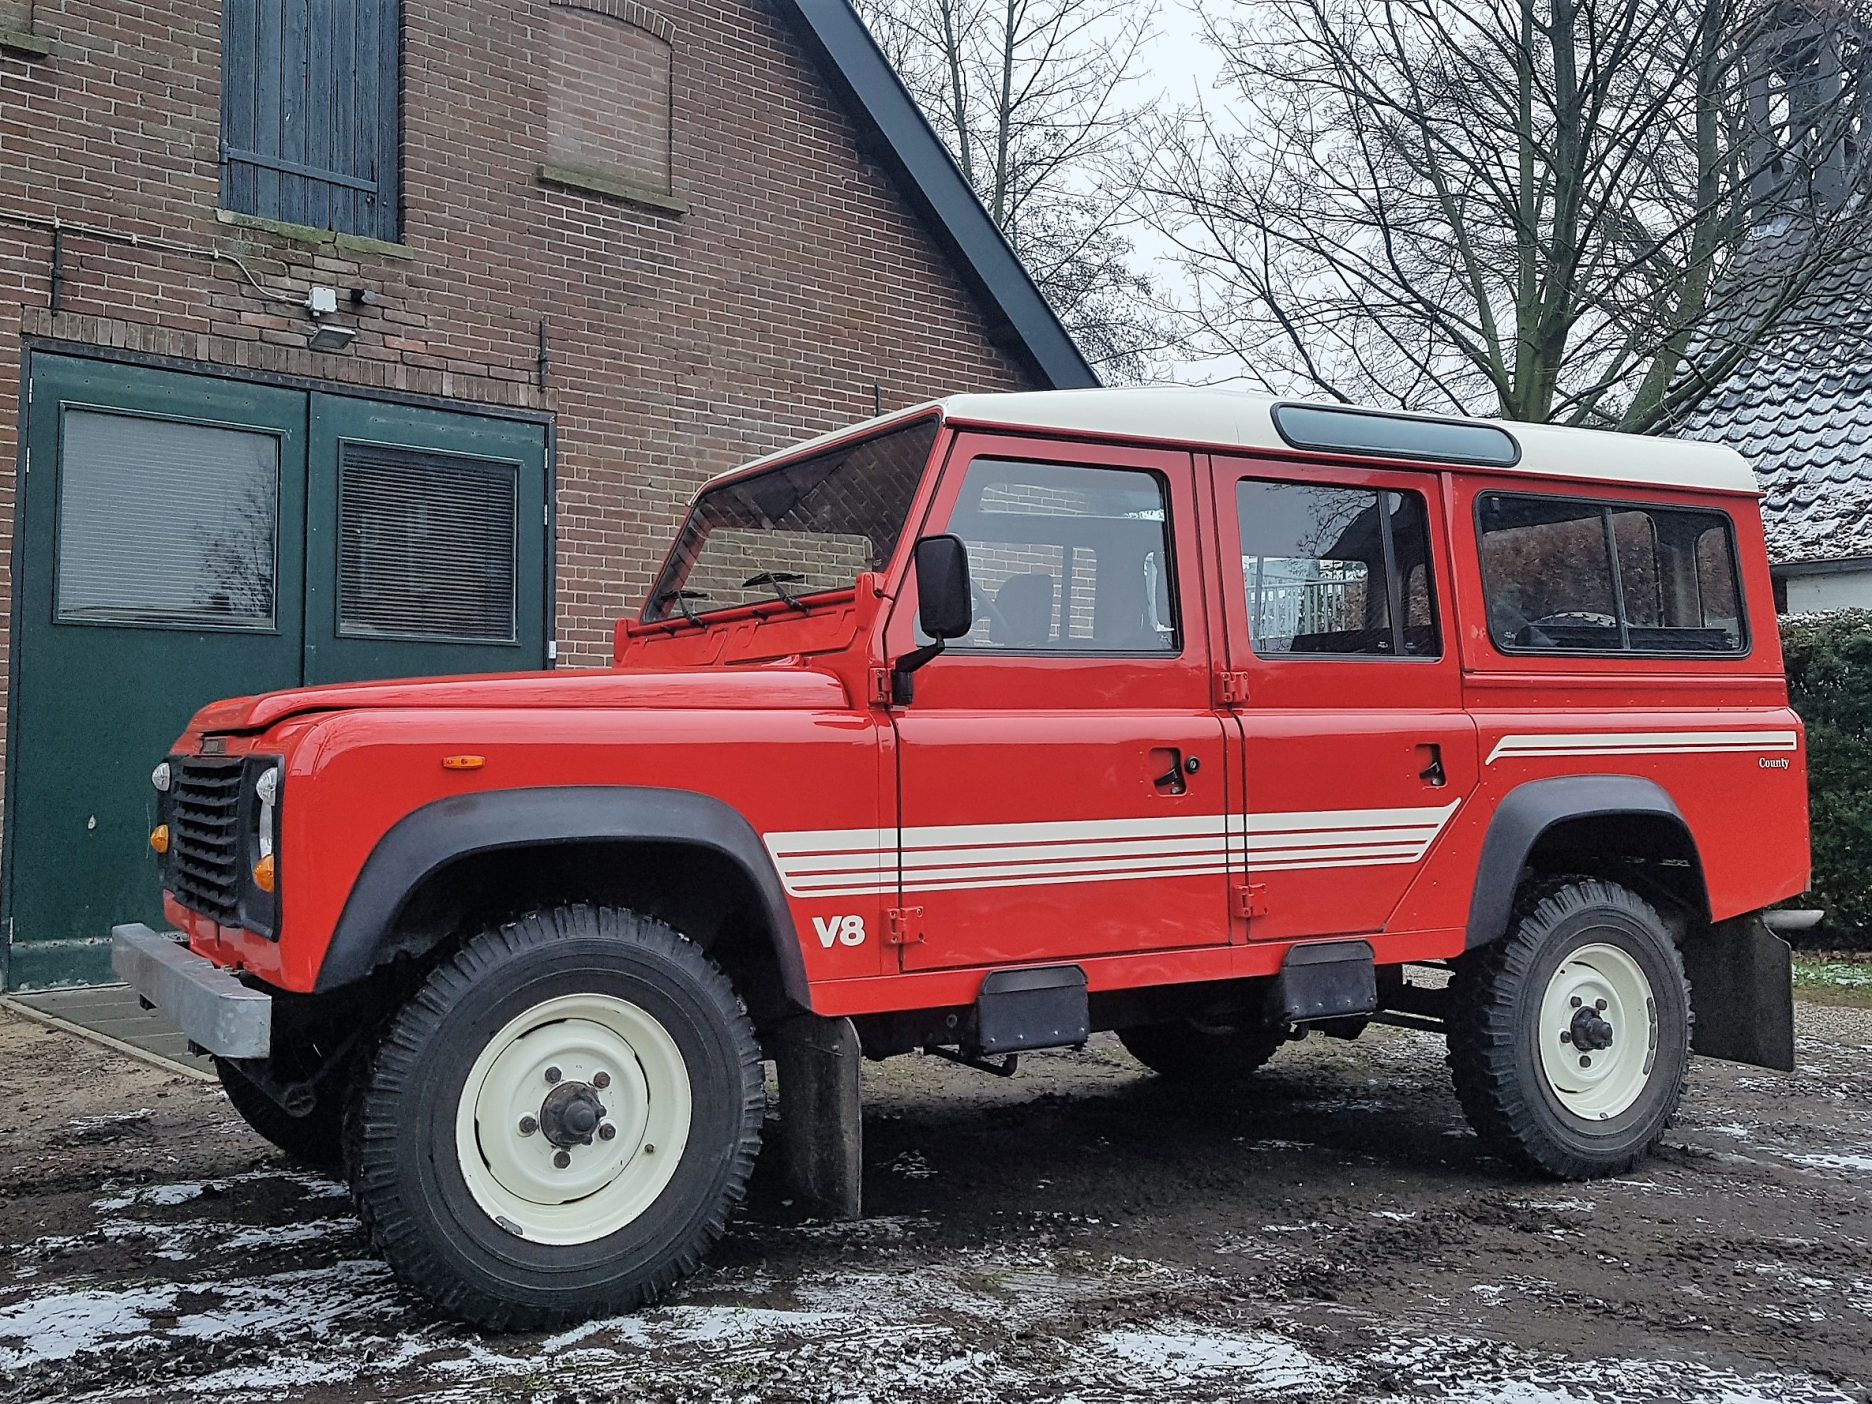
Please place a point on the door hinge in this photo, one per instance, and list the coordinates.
(1232, 688)
(905, 926)
(1250, 899)
(881, 687)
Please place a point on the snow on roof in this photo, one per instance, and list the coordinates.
(1235, 419)
(1800, 410)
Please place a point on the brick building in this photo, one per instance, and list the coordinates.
(347, 338)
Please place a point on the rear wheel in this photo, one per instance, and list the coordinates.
(315, 1139)
(559, 1121)
(1192, 1050)
(1570, 1037)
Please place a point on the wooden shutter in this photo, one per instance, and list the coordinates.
(310, 128)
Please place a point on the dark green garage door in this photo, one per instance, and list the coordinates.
(186, 538)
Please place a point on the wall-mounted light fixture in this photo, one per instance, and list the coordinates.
(331, 337)
(326, 336)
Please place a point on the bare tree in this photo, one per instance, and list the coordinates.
(1035, 99)
(1584, 211)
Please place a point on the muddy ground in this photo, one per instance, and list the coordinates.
(1083, 1232)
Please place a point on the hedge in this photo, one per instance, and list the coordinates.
(1829, 665)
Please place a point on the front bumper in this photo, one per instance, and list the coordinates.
(207, 1003)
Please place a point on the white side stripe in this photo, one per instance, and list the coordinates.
(1642, 743)
(958, 857)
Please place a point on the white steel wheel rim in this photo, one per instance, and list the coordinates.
(586, 1039)
(1598, 983)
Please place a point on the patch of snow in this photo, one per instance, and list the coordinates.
(1860, 1163)
(911, 1165)
(1258, 1363)
(59, 1325)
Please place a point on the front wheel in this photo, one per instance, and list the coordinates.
(559, 1121)
(1569, 1038)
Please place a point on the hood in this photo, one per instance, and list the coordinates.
(733, 689)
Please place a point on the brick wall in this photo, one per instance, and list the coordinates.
(794, 283)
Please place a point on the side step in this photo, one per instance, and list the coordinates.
(1325, 980)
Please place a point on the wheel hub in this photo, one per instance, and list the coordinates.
(1590, 1032)
(573, 1118)
(1597, 1032)
(571, 1114)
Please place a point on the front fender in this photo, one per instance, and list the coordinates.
(430, 838)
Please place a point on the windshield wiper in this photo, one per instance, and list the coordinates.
(682, 598)
(777, 581)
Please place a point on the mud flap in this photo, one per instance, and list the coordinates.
(1742, 989)
(821, 1113)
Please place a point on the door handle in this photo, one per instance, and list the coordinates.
(1171, 781)
(1432, 774)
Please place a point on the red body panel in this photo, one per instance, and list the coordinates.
(1020, 801)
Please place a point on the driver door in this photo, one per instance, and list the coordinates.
(1062, 786)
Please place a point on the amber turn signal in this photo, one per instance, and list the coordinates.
(159, 838)
(463, 762)
(263, 874)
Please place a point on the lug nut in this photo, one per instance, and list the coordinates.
(563, 1159)
(649, 1149)
(1576, 1001)
(601, 1079)
(607, 1132)
(1585, 1062)
(553, 1074)
(1566, 1035)
(1599, 1004)
(528, 1126)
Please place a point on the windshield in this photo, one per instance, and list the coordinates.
(795, 530)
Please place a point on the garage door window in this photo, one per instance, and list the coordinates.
(166, 524)
(427, 546)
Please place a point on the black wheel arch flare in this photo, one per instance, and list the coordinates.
(440, 833)
(1530, 810)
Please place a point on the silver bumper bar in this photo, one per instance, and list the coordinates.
(206, 1002)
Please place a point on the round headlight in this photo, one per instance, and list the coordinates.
(159, 777)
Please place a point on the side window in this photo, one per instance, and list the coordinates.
(1067, 559)
(310, 126)
(1567, 576)
(1337, 571)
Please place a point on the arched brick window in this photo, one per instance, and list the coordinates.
(609, 92)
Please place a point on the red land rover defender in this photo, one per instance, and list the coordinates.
(1197, 716)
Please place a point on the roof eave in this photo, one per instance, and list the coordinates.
(901, 139)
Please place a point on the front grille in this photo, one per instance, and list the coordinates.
(204, 852)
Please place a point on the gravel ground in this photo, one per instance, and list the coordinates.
(1082, 1232)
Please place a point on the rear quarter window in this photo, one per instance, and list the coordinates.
(1571, 575)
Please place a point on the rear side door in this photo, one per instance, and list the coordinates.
(1062, 791)
(1343, 675)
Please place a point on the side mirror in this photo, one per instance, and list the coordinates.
(945, 604)
(945, 608)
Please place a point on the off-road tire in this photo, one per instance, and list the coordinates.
(315, 1140)
(1493, 1027)
(407, 1174)
(1185, 1051)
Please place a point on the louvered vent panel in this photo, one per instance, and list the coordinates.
(426, 546)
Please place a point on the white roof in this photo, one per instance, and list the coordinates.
(1236, 419)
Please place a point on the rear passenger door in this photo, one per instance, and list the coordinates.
(1062, 791)
(1345, 682)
